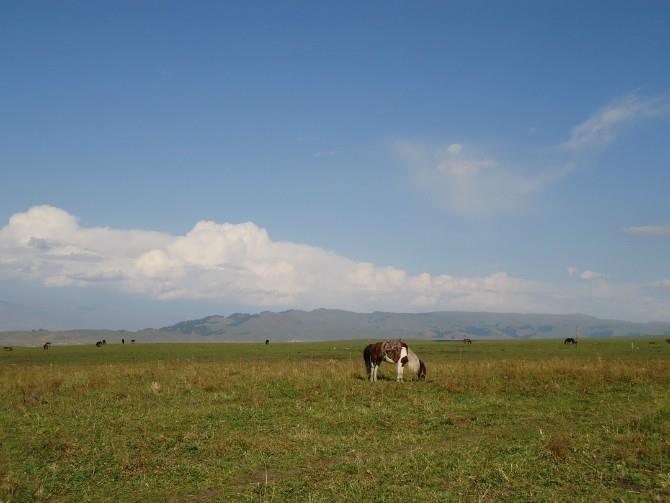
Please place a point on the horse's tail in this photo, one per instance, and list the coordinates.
(367, 356)
(422, 370)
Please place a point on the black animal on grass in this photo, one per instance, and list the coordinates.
(98, 344)
(46, 345)
(569, 340)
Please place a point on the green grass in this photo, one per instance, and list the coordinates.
(495, 421)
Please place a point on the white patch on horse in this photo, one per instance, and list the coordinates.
(403, 354)
(413, 362)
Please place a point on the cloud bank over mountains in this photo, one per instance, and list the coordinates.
(241, 264)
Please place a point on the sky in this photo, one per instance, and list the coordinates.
(162, 161)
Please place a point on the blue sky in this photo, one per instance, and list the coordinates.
(397, 156)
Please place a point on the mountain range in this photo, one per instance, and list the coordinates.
(331, 324)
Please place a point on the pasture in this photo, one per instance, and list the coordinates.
(494, 421)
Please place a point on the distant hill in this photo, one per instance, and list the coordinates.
(323, 324)
(328, 324)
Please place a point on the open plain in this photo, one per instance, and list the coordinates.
(494, 421)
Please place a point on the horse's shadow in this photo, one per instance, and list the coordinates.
(359, 377)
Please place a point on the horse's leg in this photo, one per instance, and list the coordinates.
(400, 371)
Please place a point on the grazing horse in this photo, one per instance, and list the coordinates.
(7, 348)
(392, 352)
(98, 344)
(46, 345)
(467, 341)
(569, 340)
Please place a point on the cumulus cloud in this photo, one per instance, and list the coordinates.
(605, 124)
(241, 265)
(236, 263)
(648, 230)
(470, 183)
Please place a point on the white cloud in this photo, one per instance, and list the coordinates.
(240, 264)
(589, 275)
(454, 148)
(471, 183)
(605, 124)
(236, 263)
(586, 274)
(648, 230)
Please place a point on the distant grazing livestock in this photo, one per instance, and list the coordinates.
(267, 341)
(132, 341)
(123, 341)
(98, 344)
(46, 345)
(667, 340)
(569, 340)
(467, 341)
(104, 341)
(396, 352)
(7, 348)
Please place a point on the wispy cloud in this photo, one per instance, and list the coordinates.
(648, 230)
(471, 183)
(605, 124)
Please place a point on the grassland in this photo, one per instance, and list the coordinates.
(495, 421)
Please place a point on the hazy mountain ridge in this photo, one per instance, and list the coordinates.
(323, 324)
(326, 324)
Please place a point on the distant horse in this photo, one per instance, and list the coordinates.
(132, 341)
(98, 344)
(396, 352)
(667, 340)
(267, 341)
(123, 341)
(46, 345)
(467, 341)
(7, 348)
(569, 340)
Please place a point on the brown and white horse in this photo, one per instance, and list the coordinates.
(396, 352)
